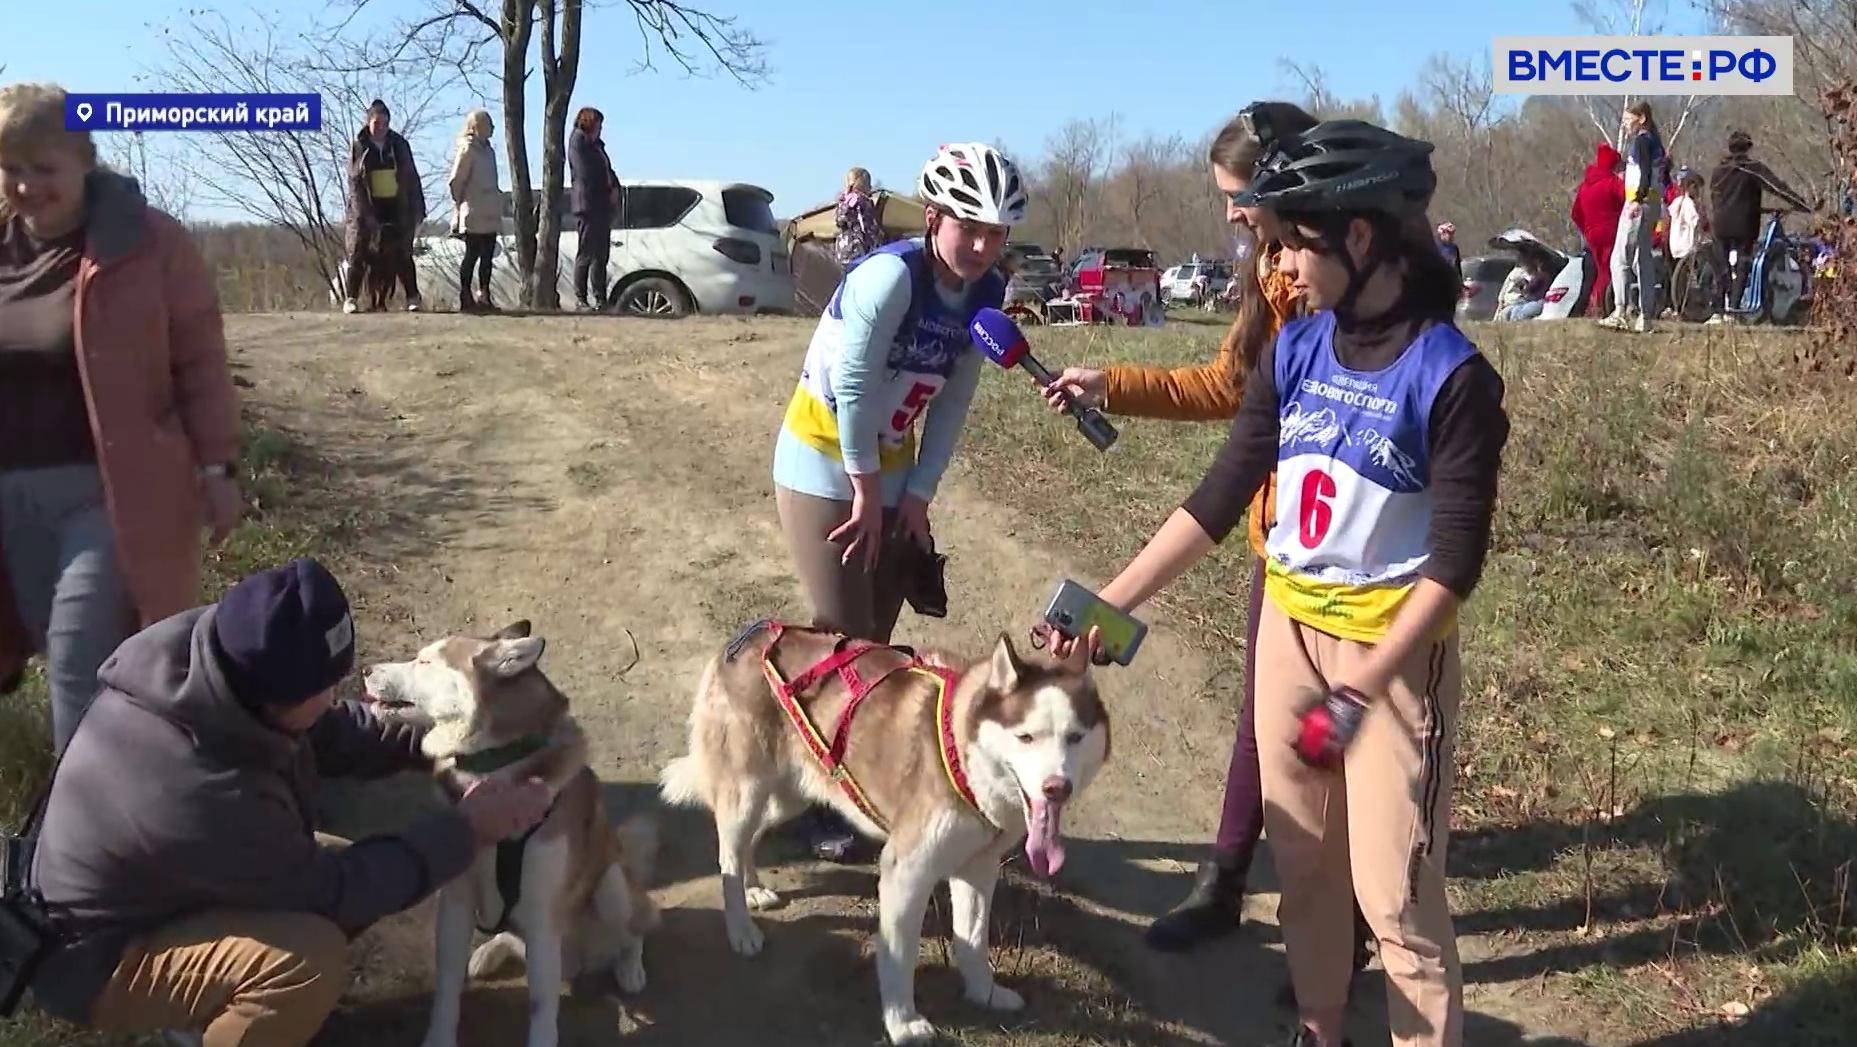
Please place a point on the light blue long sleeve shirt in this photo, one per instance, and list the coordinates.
(875, 299)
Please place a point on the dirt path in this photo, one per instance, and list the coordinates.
(608, 481)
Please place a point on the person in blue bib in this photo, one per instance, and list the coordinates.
(1385, 426)
(882, 397)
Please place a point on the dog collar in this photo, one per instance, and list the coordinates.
(485, 761)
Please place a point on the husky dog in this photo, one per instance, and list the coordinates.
(570, 897)
(951, 764)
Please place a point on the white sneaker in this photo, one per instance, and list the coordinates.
(1716, 319)
(1645, 326)
(412, 305)
(1616, 322)
(349, 306)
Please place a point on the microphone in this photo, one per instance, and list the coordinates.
(996, 336)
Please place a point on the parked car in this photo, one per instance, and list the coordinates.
(679, 246)
(1483, 277)
(1178, 283)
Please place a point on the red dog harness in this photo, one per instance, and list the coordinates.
(843, 661)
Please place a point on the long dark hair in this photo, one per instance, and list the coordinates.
(1255, 324)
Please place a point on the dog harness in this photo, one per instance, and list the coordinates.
(842, 660)
(509, 853)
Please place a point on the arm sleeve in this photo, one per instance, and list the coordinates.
(350, 742)
(458, 181)
(1201, 393)
(876, 298)
(203, 390)
(1778, 187)
(1246, 460)
(1469, 429)
(252, 852)
(941, 427)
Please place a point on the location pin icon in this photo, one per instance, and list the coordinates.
(84, 109)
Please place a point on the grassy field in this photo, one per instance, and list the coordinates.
(1658, 796)
(1657, 808)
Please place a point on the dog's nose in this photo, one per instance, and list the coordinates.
(1057, 789)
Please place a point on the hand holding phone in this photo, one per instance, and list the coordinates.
(1073, 609)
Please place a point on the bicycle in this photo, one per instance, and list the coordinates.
(1779, 280)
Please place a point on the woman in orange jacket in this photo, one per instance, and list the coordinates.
(1211, 392)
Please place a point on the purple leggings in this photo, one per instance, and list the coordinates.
(1243, 819)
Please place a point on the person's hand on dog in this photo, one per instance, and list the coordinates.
(499, 809)
(1085, 386)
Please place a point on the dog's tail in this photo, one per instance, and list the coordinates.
(681, 783)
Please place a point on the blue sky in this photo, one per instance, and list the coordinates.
(881, 84)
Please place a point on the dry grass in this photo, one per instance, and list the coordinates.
(1658, 789)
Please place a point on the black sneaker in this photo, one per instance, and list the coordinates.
(1212, 909)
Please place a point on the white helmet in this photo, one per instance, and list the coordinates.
(975, 181)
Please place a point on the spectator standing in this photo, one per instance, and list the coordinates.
(1737, 188)
(119, 437)
(477, 215)
(1634, 254)
(386, 203)
(1597, 205)
(594, 198)
(856, 218)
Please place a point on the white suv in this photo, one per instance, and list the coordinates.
(678, 246)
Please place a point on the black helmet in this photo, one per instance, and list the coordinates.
(1345, 165)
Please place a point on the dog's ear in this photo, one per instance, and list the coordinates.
(1003, 672)
(508, 658)
(515, 630)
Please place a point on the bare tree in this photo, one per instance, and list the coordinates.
(460, 36)
(293, 180)
(1630, 18)
(1144, 165)
(1067, 185)
(1323, 103)
(160, 184)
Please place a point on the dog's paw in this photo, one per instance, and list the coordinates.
(745, 938)
(1001, 998)
(490, 957)
(762, 898)
(909, 1029)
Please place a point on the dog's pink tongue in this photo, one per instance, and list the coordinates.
(1044, 845)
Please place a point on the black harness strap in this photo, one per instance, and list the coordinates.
(509, 874)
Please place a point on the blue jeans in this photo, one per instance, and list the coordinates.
(1522, 311)
(61, 559)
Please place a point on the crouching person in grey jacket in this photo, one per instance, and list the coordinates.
(177, 850)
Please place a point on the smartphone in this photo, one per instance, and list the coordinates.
(1073, 609)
